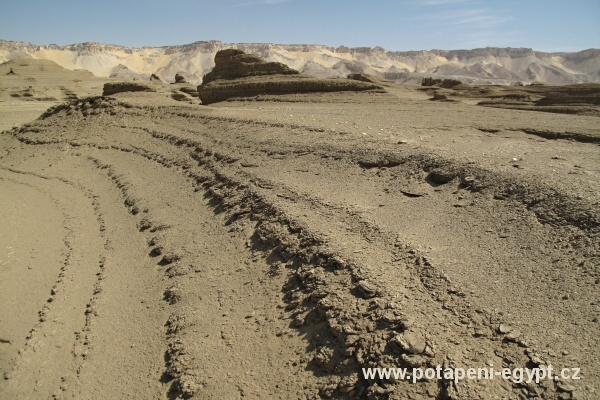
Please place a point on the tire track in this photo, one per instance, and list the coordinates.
(85, 345)
(44, 344)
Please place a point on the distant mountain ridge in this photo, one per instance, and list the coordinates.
(479, 66)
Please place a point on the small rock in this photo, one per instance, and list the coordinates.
(349, 351)
(327, 303)
(318, 294)
(513, 336)
(324, 358)
(411, 342)
(366, 289)
(442, 175)
(379, 390)
(298, 321)
(351, 340)
(172, 295)
(415, 361)
(168, 258)
(439, 96)
(565, 387)
(348, 383)
(537, 360)
(504, 329)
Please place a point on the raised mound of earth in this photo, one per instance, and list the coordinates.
(237, 74)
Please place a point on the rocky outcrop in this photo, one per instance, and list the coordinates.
(440, 97)
(360, 77)
(237, 74)
(232, 64)
(180, 79)
(443, 83)
(189, 90)
(251, 87)
(119, 87)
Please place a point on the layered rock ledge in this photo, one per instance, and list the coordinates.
(237, 74)
(119, 87)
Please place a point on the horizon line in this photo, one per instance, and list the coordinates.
(294, 44)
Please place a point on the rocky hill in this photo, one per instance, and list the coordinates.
(193, 61)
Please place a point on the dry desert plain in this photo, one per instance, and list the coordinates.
(153, 247)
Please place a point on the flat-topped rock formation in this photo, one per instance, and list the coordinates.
(237, 74)
(233, 63)
(119, 87)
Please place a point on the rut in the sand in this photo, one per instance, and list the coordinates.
(84, 324)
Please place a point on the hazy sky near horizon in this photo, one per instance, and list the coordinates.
(545, 25)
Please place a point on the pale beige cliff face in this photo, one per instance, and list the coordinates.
(490, 65)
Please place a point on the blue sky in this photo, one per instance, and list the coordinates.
(545, 25)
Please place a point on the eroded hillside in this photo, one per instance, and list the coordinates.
(478, 66)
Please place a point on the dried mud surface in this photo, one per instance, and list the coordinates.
(154, 248)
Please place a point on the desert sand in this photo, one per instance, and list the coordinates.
(272, 246)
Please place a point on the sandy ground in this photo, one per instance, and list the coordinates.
(271, 249)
